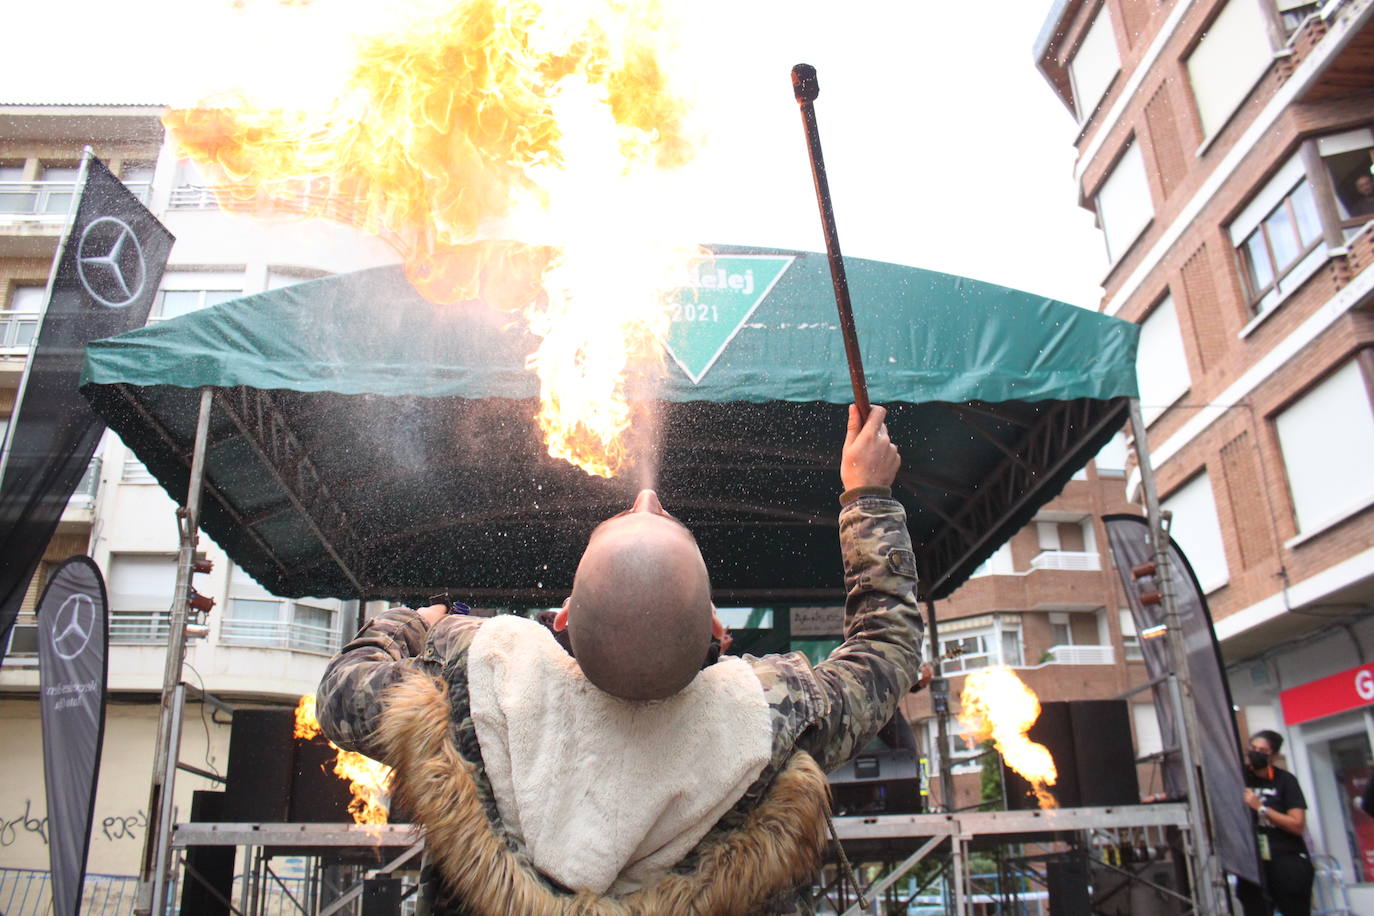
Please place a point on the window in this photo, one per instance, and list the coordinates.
(1094, 64)
(1111, 461)
(1061, 630)
(1349, 161)
(16, 194)
(256, 618)
(1123, 203)
(19, 322)
(140, 591)
(138, 178)
(1130, 640)
(188, 291)
(192, 190)
(980, 642)
(999, 564)
(1197, 532)
(58, 188)
(1293, 13)
(1327, 438)
(1284, 238)
(1161, 364)
(1229, 60)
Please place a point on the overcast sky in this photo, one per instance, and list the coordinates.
(946, 149)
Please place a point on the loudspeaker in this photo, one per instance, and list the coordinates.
(1104, 753)
(877, 782)
(262, 757)
(318, 796)
(1090, 741)
(207, 865)
(1067, 883)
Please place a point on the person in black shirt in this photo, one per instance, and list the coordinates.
(1280, 815)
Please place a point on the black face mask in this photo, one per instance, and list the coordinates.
(1258, 760)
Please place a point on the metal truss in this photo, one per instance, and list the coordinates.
(265, 427)
(953, 835)
(1043, 454)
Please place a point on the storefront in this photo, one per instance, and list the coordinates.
(1330, 723)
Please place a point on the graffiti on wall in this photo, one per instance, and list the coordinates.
(113, 828)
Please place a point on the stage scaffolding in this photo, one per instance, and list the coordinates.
(1022, 841)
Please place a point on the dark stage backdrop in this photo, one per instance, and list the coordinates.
(107, 275)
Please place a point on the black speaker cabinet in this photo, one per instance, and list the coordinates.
(261, 758)
(1067, 883)
(877, 782)
(209, 879)
(1090, 741)
(275, 778)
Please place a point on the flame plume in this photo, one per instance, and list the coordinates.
(368, 780)
(504, 148)
(997, 705)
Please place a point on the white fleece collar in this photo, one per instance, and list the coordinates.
(608, 794)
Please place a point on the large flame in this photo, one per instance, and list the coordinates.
(505, 149)
(997, 705)
(368, 780)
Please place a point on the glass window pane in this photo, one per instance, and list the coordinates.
(24, 332)
(313, 616)
(1283, 236)
(216, 296)
(1305, 210)
(1257, 259)
(1011, 647)
(253, 609)
(179, 302)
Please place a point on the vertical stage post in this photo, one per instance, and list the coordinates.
(1210, 893)
(155, 869)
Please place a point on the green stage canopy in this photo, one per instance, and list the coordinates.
(366, 443)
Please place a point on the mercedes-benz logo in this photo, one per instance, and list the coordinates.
(73, 625)
(109, 260)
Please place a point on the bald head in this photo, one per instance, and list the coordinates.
(640, 615)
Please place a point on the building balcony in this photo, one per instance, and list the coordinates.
(279, 634)
(1069, 560)
(1078, 655)
(48, 201)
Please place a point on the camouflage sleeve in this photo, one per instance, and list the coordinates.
(864, 679)
(395, 642)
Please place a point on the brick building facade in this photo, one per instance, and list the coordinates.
(1227, 150)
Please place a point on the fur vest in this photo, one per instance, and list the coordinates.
(778, 849)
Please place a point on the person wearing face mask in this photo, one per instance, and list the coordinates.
(1280, 815)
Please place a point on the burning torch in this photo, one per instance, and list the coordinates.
(805, 87)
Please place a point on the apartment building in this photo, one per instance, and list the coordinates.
(1226, 148)
(261, 649)
(1048, 603)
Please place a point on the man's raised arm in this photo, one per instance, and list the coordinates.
(864, 679)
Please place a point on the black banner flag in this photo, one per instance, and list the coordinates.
(107, 275)
(1220, 751)
(73, 644)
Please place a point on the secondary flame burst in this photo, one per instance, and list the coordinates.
(997, 705)
(368, 780)
(507, 150)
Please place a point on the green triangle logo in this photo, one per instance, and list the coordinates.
(710, 311)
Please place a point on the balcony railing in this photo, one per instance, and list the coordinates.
(17, 330)
(49, 199)
(83, 497)
(193, 197)
(138, 627)
(1073, 560)
(1080, 655)
(279, 634)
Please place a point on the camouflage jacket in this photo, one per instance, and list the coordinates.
(830, 710)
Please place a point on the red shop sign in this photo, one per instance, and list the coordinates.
(1325, 697)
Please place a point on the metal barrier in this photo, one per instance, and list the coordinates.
(28, 892)
(1329, 896)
